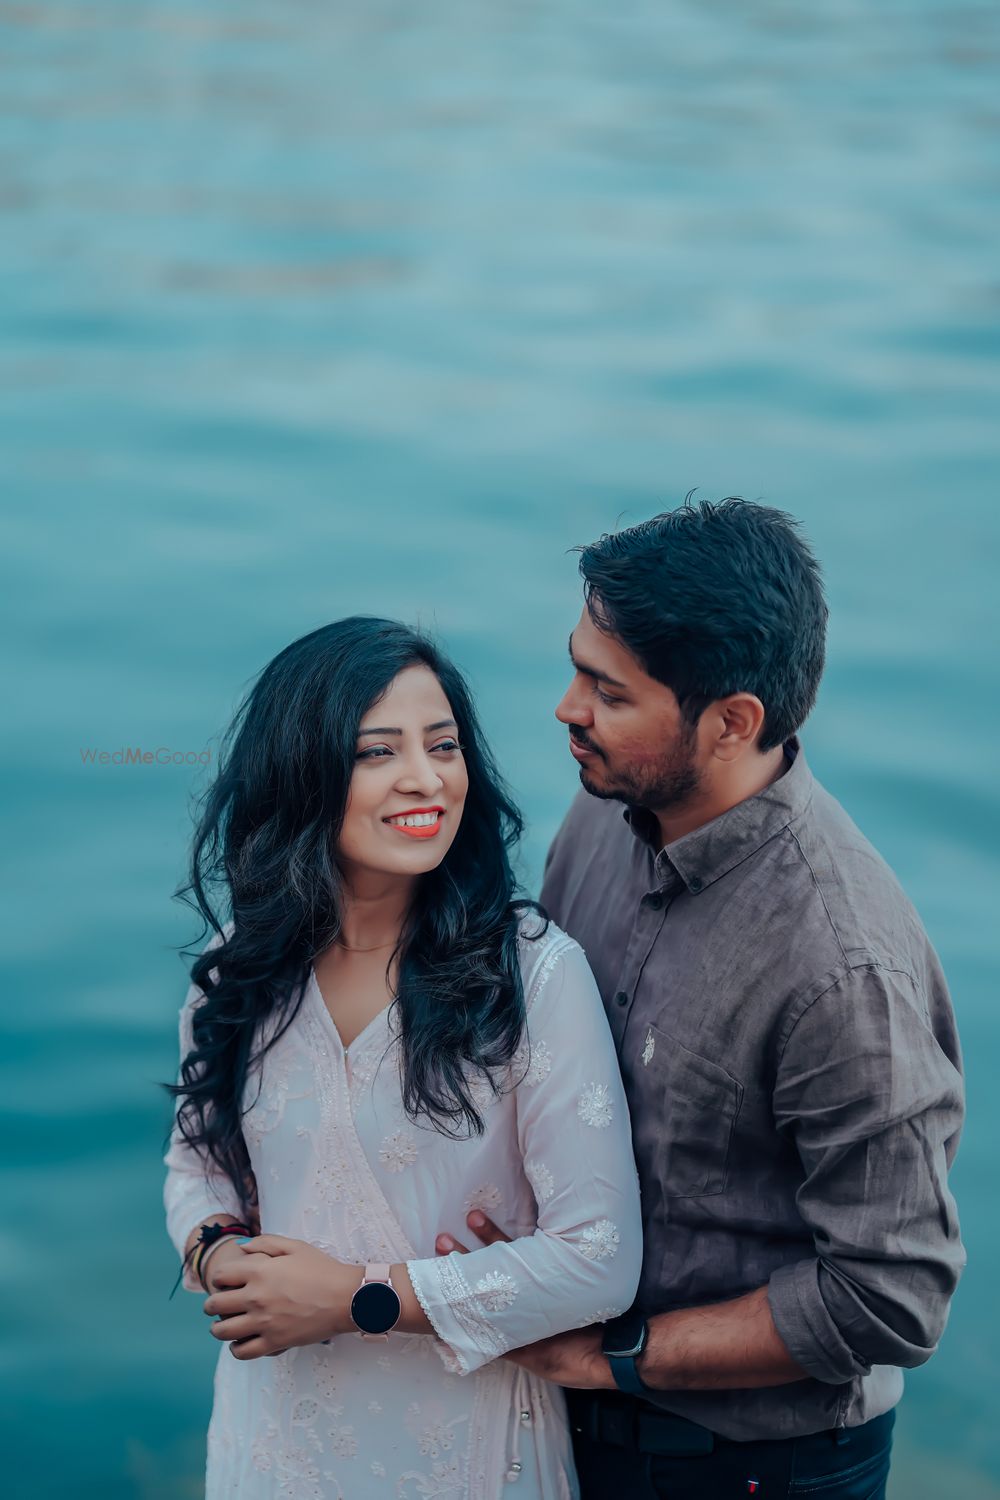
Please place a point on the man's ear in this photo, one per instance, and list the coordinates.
(741, 718)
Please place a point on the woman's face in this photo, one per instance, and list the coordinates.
(409, 784)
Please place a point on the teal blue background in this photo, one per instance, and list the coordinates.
(310, 309)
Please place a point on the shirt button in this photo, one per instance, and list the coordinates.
(526, 1416)
(653, 901)
(514, 1472)
(695, 883)
(621, 998)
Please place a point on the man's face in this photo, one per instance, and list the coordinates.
(625, 728)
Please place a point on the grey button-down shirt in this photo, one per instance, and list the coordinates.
(793, 1073)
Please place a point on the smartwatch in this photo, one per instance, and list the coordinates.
(375, 1306)
(623, 1340)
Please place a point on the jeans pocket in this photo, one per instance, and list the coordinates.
(863, 1481)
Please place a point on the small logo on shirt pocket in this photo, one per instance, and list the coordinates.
(684, 1115)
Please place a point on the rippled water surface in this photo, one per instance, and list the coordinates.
(310, 309)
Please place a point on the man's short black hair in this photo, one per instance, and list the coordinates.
(713, 599)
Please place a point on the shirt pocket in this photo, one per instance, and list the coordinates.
(687, 1117)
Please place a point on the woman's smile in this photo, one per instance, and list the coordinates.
(418, 823)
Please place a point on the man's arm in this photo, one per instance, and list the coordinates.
(874, 1106)
(727, 1345)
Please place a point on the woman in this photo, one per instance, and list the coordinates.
(382, 1040)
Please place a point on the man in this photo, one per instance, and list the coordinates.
(784, 1031)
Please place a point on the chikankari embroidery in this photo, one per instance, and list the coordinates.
(496, 1290)
(600, 1241)
(488, 1198)
(594, 1106)
(397, 1152)
(541, 1179)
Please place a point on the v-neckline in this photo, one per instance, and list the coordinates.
(376, 1019)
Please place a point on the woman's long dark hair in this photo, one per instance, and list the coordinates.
(267, 836)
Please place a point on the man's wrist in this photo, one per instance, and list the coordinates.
(623, 1342)
(642, 1368)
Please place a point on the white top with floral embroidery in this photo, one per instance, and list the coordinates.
(339, 1164)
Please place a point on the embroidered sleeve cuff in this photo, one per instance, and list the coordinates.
(466, 1338)
(451, 1360)
(806, 1328)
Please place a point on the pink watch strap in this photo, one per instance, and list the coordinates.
(379, 1272)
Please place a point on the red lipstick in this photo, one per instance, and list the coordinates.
(424, 830)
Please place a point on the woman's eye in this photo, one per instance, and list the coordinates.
(377, 752)
(448, 745)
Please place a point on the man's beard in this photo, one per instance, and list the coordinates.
(659, 785)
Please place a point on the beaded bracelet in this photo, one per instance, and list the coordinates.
(208, 1235)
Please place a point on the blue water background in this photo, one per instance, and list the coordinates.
(311, 309)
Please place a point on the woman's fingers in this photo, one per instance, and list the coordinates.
(242, 1326)
(231, 1273)
(270, 1244)
(252, 1348)
(224, 1304)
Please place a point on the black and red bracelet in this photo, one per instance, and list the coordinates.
(209, 1234)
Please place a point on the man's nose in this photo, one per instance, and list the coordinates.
(571, 709)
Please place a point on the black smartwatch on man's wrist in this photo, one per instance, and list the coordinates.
(623, 1340)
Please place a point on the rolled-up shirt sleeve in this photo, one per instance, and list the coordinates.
(581, 1265)
(874, 1106)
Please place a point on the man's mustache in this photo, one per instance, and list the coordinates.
(579, 738)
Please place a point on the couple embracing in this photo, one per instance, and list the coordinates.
(638, 1191)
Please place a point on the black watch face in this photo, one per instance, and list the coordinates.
(624, 1335)
(375, 1307)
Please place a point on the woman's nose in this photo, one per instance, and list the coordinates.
(420, 775)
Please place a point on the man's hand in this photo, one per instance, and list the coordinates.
(285, 1293)
(573, 1359)
(481, 1226)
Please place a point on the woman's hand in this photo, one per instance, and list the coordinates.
(228, 1254)
(285, 1293)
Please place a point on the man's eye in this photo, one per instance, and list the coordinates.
(604, 696)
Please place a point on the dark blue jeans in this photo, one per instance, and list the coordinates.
(849, 1464)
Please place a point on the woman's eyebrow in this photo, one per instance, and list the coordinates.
(428, 728)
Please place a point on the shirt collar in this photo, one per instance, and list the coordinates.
(707, 853)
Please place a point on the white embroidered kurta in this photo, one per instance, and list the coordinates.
(339, 1164)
